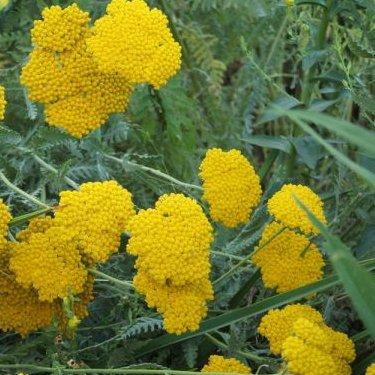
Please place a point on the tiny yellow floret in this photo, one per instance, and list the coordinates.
(230, 186)
(285, 209)
(2, 102)
(217, 363)
(287, 260)
(5, 217)
(135, 42)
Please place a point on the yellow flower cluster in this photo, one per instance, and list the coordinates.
(308, 346)
(61, 29)
(172, 243)
(286, 210)
(4, 221)
(230, 185)
(18, 304)
(62, 74)
(96, 216)
(289, 3)
(315, 349)
(135, 42)
(217, 363)
(50, 262)
(20, 308)
(277, 324)
(2, 102)
(371, 370)
(50, 258)
(287, 260)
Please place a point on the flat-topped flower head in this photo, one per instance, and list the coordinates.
(172, 240)
(60, 29)
(285, 209)
(172, 243)
(97, 214)
(2, 102)
(217, 363)
(182, 307)
(63, 75)
(287, 260)
(314, 349)
(21, 310)
(135, 42)
(230, 186)
(49, 262)
(277, 324)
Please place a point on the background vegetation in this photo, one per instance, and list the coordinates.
(290, 86)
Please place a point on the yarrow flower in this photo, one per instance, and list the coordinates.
(314, 349)
(135, 42)
(50, 262)
(285, 209)
(287, 260)
(2, 102)
(172, 243)
(277, 325)
(217, 363)
(18, 304)
(96, 215)
(371, 370)
(61, 29)
(62, 74)
(231, 186)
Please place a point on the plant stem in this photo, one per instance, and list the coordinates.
(246, 259)
(248, 355)
(276, 41)
(23, 193)
(154, 172)
(52, 169)
(26, 217)
(113, 280)
(319, 44)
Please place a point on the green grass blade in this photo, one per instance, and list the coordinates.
(366, 175)
(361, 137)
(247, 312)
(357, 281)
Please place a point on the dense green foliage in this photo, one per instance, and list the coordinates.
(292, 88)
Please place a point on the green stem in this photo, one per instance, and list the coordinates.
(276, 40)
(139, 371)
(23, 193)
(154, 172)
(52, 169)
(246, 259)
(27, 217)
(113, 280)
(248, 355)
(319, 44)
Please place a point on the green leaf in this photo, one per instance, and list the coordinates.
(267, 141)
(308, 150)
(247, 312)
(355, 134)
(357, 281)
(366, 175)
